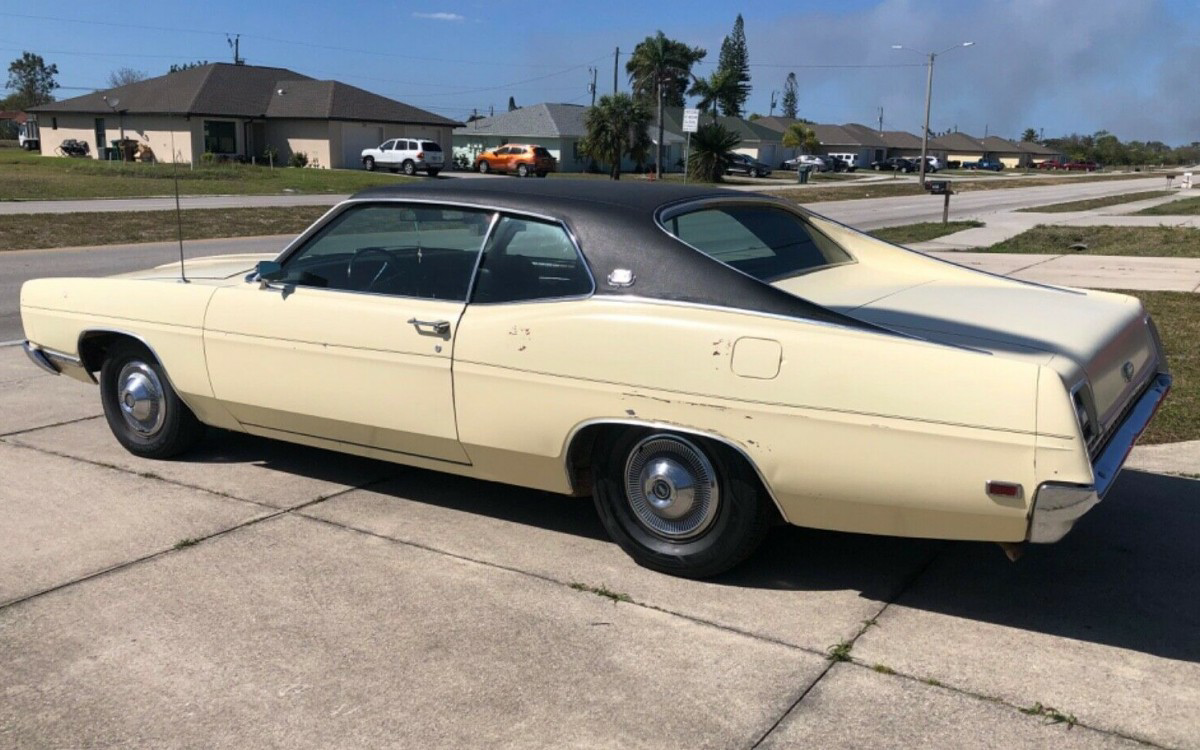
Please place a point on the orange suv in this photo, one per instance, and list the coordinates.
(523, 158)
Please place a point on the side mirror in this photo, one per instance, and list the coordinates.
(267, 271)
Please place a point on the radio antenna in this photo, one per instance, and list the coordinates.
(178, 213)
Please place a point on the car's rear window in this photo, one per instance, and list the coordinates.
(765, 242)
(430, 146)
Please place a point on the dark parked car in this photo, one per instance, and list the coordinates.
(985, 163)
(895, 164)
(1081, 166)
(749, 166)
(838, 164)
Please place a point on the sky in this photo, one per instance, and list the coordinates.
(1131, 67)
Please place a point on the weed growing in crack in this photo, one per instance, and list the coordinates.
(840, 652)
(604, 591)
(1050, 714)
(185, 543)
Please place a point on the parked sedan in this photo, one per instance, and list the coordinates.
(1081, 166)
(517, 158)
(747, 165)
(816, 163)
(1051, 164)
(895, 164)
(705, 363)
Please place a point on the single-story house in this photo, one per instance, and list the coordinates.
(959, 147)
(237, 111)
(1034, 153)
(1005, 151)
(757, 141)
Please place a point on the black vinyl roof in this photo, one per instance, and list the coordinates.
(616, 225)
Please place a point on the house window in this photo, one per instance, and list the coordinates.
(220, 137)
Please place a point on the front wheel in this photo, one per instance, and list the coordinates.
(522, 170)
(142, 409)
(484, 167)
(369, 163)
(679, 505)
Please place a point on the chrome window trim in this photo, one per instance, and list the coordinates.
(668, 427)
(666, 213)
(497, 213)
(502, 214)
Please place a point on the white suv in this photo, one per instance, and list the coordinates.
(407, 154)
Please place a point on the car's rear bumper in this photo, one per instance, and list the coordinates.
(1057, 506)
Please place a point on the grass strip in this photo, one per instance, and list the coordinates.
(1145, 242)
(891, 188)
(29, 231)
(907, 234)
(1092, 203)
(1184, 207)
(29, 176)
(1177, 315)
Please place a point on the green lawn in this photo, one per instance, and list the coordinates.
(27, 231)
(907, 234)
(1102, 202)
(29, 176)
(1183, 207)
(1161, 241)
(889, 188)
(1177, 315)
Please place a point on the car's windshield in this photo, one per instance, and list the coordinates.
(765, 242)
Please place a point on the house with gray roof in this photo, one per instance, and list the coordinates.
(853, 143)
(556, 127)
(237, 111)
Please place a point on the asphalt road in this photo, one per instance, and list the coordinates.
(18, 266)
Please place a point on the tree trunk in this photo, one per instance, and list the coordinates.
(658, 147)
(615, 172)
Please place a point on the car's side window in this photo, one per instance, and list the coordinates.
(393, 248)
(530, 260)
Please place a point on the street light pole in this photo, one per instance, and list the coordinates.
(928, 98)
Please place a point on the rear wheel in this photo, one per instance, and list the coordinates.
(410, 168)
(541, 174)
(679, 505)
(142, 409)
(434, 172)
(369, 163)
(522, 170)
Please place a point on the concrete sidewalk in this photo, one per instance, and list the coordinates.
(257, 594)
(1086, 271)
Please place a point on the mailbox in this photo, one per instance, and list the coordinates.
(938, 187)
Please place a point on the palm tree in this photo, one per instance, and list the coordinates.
(722, 85)
(659, 70)
(616, 126)
(798, 135)
(711, 145)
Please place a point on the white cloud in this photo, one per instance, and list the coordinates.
(440, 16)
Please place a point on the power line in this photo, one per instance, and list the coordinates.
(276, 40)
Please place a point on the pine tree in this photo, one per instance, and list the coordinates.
(735, 61)
(789, 96)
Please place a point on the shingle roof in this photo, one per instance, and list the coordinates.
(535, 121)
(222, 89)
(1030, 147)
(864, 136)
(1000, 145)
(958, 142)
(748, 131)
(901, 139)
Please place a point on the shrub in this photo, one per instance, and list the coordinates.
(208, 157)
(298, 159)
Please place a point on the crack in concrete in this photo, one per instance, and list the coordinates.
(28, 430)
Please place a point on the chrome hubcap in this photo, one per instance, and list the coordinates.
(671, 487)
(141, 398)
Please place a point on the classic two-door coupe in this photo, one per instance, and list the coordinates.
(705, 363)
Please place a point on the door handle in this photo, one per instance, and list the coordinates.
(437, 327)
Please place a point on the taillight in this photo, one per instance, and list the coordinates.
(420, 154)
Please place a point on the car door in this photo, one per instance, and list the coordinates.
(386, 155)
(353, 343)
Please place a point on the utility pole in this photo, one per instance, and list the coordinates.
(234, 43)
(774, 101)
(932, 56)
(881, 122)
(616, 56)
(592, 85)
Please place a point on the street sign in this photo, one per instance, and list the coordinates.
(691, 120)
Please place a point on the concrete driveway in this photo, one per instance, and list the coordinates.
(265, 595)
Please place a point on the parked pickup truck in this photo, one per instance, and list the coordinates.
(991, 164)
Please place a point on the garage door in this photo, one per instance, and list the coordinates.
(354, 139)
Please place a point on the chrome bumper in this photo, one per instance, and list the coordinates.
(58, 363)
(1057, 506)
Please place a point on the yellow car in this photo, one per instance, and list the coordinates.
(704, 363)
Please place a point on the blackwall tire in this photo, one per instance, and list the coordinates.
(679, 504)
(143, 410)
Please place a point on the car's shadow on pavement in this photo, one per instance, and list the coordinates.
(1127, 576)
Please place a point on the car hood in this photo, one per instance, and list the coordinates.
(1105, 338)
(212, 268)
